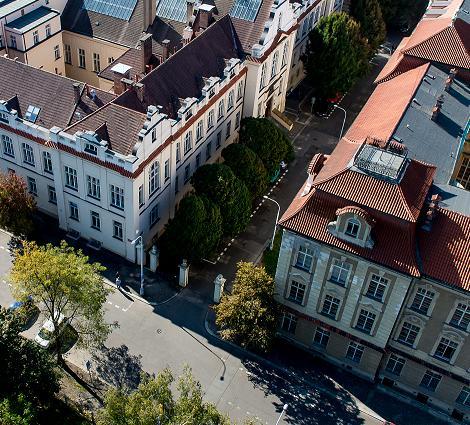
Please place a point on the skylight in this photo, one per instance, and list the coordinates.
(174, 10)
(32, 113)
(121, 9)
(371, 159)
(245, 9)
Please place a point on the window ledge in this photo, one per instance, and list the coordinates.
(343, 285)
(299, 267)
(379, 300)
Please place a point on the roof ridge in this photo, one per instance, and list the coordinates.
(88, 116)
(299, 207)
(407, 49)
(125, 107)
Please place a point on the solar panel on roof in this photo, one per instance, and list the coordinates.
(121, 9)
(172, 9)
(245, 9)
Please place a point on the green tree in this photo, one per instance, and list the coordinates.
(27, 371)
(221, 186)
(337, 55)
(194, 232)
(154, 403)
(404, 13)
(249, 315)
(62, 282)
(16, 204)
(248, 167)
(369, 16)
(269, 142)
(17, 411)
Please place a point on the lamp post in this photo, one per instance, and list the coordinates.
(277, 219)
(141, 241)
(344, 120)
(284, 408)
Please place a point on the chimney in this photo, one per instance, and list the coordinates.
(437, 109)
(120, 72)
(205, 15)
(189, 11)
(146, 51)
(431, 212)
(76, 92)
(140, 90)
(150, 10)
(450, 79)
(166, 50)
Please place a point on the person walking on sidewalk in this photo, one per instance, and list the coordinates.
(118, 281)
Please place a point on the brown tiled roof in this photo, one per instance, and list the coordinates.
(445, 249)
(377, 121)
(52, 93)
(121, 124)
(393, 239)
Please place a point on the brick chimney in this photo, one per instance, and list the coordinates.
(431, 212)
(150, 10)
(76, 92)
(120, 72)
(146, 51)
(205, 15)
(140, 90)
(166, 50)
(450, 79)
(437, 108)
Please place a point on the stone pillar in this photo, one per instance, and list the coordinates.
(184, 272)
(154, 257)
(219, 283)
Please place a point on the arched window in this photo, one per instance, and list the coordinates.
(352, 227)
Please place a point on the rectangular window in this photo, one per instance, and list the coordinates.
(340, 272)
(110, 60)
(47, 162)
(154, 178)
(95, 220)
(208, 151)
(422, 301)
(178, 152)
(237, 120)
(228, 130)
(48, 30)
(117, 196)
(230, 100)
(377, 287)
(365, 321)
(461, 316)
(210, 119)
(240, 90)
(141, 195)
(8, 146)
(446, 349)
(352, 227)
(81, 58)
(56, 52)
(304, 258)
(430, 380)
(464, 397)
(154, 135)
(355, 352)
(33, 189)
(284, 54)
(221, 110)
(274, 64)
(52, 195)
(71, 178)
(408, 334)
(4, 117)
(35, 37)
(198, 160)
(117, 230)
(12, 41)
(395, 364)
(67, 54)
(91, 148)
(199, 131)
(154, 215)
(330, 306)
(167, 170)
(289, 323)
(218, 142)
(188, 142)
(263, 76)
(177, 184)
(96, 62)
(73, 211)
(93, 187)
(297, 292)
(321, 337)
(28, 154)
(187, 173)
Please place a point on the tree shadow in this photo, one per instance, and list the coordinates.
(306, 404)
(118, 367)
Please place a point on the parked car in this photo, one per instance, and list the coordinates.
(26, 311)
(46, 334)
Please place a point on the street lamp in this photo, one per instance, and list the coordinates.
(277, 219)
(284, 408)
(344, 120)
(141, 241)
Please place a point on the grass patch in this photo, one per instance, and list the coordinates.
(270, 257)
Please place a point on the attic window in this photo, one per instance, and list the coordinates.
(32, 113)
(3, 117)
(91, 149)
(211, 92)
(189, 114)
(352, 227)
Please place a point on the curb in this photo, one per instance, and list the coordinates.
(282, 369)
(7, 233)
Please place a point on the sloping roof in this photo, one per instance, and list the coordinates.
(122, 125)
(445, 249)
(32, 19)
(78, 19)
(53, 94)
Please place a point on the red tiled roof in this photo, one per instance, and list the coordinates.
(445, 249)
(316, 163)
(393, 239)
(360, 212)
(378, 121)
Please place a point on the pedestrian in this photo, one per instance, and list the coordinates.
(118, 281)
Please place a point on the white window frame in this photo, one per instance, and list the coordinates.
(323, 335)
(377, 287)
(67, 54)
(178, 152)
(274, 64)
(220, 110)
(118, 232)
(464, 397)
(28, 154)
(284, 54)
(141, 195)
(431, 377)
(48, 30)
(96, 62)
(366, 321)
(425, 296)
(47, 162)
(410, 329)
(81, 58)
(73, 210)
(240, 90)
(199, 131)
(154, 178)
(167, 170)
(297, 292)
(352, 352)
(461, 316)
(93, 187)
(442, 347)
(57, 52)
(210, 119)
(330, 306)
(230, 100)
(262, 82)
(353, 227)
(32, 186)
(8, 147)
(340, 267)
(289, 323)
(188, 142)
(304, 258)
(116, 196)
(395, 364)
(52, 195)
(35, 37)
(95, 220)
(71, 180)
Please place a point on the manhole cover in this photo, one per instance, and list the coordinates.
(159, 331)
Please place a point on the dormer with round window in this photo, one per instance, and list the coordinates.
(353, 224)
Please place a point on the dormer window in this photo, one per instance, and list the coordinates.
(90, 148)
(189, 114)
(211, 93)
(352, 227)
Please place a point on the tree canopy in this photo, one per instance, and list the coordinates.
(221, 186)
(403, 12)
(16, 204)
(194, 232)
(248, 167)
(337, 55)
(61, 281)
(369, 16)
(269, 142)
(249, 315)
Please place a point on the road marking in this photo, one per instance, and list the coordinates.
(115, 305)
